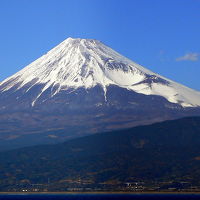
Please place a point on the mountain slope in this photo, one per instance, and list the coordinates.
(86, 63)
(162, 152)
(82, 87)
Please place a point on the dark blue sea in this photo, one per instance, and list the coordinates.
(99, 197)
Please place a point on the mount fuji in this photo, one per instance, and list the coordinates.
(82, 87)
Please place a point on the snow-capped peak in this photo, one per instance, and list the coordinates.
(86, 63)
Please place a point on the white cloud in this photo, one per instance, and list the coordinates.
(189, 57)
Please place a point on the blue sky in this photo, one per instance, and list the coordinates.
(162, 35)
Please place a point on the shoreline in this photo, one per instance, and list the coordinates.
(120, 192)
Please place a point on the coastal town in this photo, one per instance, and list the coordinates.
(133, 187)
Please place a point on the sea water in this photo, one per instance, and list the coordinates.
(99, 196)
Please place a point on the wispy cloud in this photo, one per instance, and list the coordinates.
(189, 57)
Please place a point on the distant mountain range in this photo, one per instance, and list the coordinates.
(82, 87)
(163, 152)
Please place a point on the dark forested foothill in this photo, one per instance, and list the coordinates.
(166, 152)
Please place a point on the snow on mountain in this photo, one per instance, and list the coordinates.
(86, 63)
